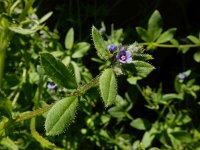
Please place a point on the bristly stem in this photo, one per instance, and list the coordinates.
(78, 92)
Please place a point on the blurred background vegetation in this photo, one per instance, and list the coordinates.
(96, 127)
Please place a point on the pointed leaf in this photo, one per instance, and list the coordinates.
(24, 31)
(108, 87)
(77, 71)
(80, 49)
(99, 44)
(182, 136)
(166, 36)
(61, 115)
(141, 124)
(143, 34)
(45, 17)
(69, 39)
(57, 71)
(155, 25)
(194, 39)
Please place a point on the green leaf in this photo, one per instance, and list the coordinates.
(166, 36)
(57, 71)
(69, 39)
(133, 80)
(61, 115)
(194, 39)
(140, 124)
(155, 25)
(171, 96)
(24, 31)
(148, 137)
(8, 143)
(45, 17)
(5, 105)
(108, 87)
(183, 118)
(116, 112)
(80, 49)
(143, 57)
(197, 56)
(77, 72)
(139, 68)
(182, 136)
(143, 34)
(99, 44)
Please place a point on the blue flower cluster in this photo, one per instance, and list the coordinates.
(123, 56)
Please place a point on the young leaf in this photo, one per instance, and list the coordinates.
(61, 115)
(166, 36)
(69, 39)
(194, 39)
(45, 17)
(80, 49)
(140, 124)
(99, 44)
(24, 31)
(108, 87)
(155, 25)
(57, 71)
(77, 71)
(143, 34)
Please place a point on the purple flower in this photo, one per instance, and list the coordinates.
(124, 56)
(112, 48)
(52, 85)
(182, 75)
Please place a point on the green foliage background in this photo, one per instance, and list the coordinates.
(151, 103)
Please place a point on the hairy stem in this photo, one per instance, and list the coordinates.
(78, 92)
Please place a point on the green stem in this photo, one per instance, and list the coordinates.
(4, 40)
(31, 114)
(170, 46)
(25, 10)
(163, 110)
(79, 92)
(139, 88)
(2, 60)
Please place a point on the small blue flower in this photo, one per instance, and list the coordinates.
(124, 56)
(112, 48)
(182, 75)
(52, 85)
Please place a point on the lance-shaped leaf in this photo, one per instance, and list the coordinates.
(57, 71)
(24, 31)
(155, 25)
(143, 34)
(108, 87)
(61, 115)
(194, 39)
(45, 17)
(99, 44)
(69, 39)
(166, 36)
